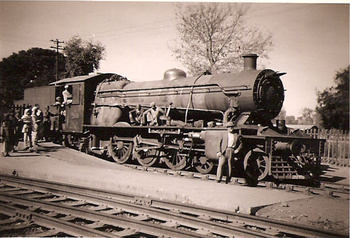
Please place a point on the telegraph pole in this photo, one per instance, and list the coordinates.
(57, 47)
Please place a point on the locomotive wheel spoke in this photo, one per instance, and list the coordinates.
(174, 160)
(203, 165)
(147, 157)
(120, 150)
(262, 165)
(256, 166)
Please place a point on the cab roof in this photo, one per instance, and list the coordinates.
(82, 78)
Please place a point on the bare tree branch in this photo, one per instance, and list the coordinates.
(213, 36)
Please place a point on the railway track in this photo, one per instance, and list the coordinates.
(31, 207)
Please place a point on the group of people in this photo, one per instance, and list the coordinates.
(151, 116)
(32, 130)
(33, 125)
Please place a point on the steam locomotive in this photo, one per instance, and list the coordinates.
(98, 119)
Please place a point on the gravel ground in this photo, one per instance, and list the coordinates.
(320, 211)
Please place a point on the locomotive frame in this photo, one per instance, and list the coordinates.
(97, 122)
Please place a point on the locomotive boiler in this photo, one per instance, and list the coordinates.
(201, 98)
(99, 120)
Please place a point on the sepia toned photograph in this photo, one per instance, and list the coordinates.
(174, 119)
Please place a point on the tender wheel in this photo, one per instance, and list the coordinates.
(255, 166)
(203, 165)
(147, 157)
(174, 160)
(119, 150)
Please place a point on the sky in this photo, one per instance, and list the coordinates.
(311, 40)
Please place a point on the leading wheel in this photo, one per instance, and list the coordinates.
(119, 150)
(255, 166)
(174, 160)
(203, 165)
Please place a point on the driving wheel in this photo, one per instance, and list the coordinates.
(119, 150)
(147, 157)
(174, 160)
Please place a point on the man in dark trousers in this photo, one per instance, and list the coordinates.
(7, 135)
(230, 145)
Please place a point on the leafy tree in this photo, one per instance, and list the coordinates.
(83, 57)
(290, 120)
(214, 36)
(333, 102)
(32, 68)
(307, 117)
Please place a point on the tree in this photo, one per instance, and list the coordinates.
(83, 57)
(214, 36)
(32, 68)
(307, 117)
(290, 120)
(333, 102)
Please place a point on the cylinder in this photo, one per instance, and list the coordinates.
(296, 147)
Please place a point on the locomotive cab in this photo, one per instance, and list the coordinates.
(76, 108)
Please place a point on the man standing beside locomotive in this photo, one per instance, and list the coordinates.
(7, 134)
(37, 119)
(229, 146)
(27, 127)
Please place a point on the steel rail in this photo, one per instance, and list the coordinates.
(51, 223)
(162, 214)
(195, 211)
(73, 212)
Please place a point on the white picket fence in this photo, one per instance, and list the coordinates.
(336, 150)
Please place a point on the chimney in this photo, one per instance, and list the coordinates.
(250, 61)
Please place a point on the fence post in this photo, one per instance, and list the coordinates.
(328, 144)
